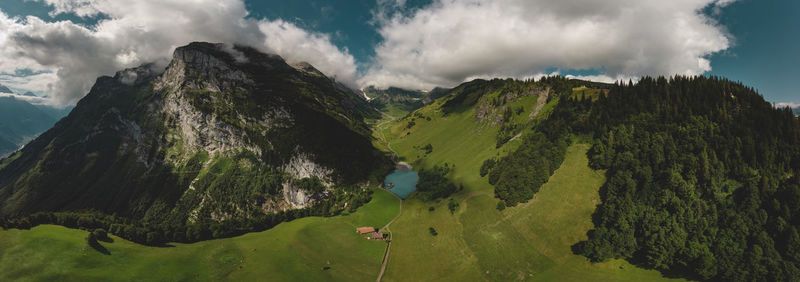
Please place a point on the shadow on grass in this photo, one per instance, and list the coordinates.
(638, 260)
(97, 247)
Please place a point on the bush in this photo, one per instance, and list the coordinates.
(432, 231)
(100, 234)
(452, 205)
(428, 149)
(487, 166)
(91, 239)
(433, 183)
(501, 205)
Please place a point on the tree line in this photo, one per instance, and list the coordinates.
(702, 179)
(157, 234)
(703, 176)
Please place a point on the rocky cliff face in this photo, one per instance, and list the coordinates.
(224, 132)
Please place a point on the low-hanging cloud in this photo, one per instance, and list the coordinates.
(293, 42)
(787, 104)
(132, 33)
(452, 40)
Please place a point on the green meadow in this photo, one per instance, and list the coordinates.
(307, 249)
(528, 242)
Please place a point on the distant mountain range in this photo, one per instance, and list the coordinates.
(394, 98)
(4, 89)
(21, 121)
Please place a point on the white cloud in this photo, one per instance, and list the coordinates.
(453, 40)
(29, 99)
(38, 83)
(599, 78)
(787, 104)
(137, 32)
(297, 45)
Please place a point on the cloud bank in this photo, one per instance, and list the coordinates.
(132, 33)
(452, 40)
(787, 104)
(30, 99)
(442, 44)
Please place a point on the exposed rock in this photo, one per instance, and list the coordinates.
(302, 166)
(296, 197)
(204, 132)
(403, 166)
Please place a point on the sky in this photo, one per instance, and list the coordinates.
(57, 48)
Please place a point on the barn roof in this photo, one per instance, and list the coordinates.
(365, 230)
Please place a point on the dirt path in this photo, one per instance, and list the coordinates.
(389, 241)
(379, 133)
(378, 129)
(539, 104)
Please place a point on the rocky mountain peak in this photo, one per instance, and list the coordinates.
(307, 68)
(222, 132)
(137, 75)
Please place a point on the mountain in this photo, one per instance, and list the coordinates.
(4, 89)
(399, 101)
(394, 100)
(223, 135)
(29, 94)
(21, 121)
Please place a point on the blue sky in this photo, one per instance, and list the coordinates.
(425, 43)
(766, 52)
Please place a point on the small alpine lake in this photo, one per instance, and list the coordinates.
(401, 182)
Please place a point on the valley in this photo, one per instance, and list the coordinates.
(394, 140)
(516, 180)
(531, 241)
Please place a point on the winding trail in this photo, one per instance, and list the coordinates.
(389, 242)
(379, 132)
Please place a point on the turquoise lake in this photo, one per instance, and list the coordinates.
(404, 182)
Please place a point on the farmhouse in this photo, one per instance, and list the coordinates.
(365, 230)
(377, 236)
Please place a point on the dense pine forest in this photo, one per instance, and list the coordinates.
(702, 176)
(702, 180)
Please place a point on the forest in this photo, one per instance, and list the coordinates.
(518, 176)
(158, 234)
(702, 176)
(702, 180)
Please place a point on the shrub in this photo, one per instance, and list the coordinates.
(100, 234)
(452, 205)
(501, 205)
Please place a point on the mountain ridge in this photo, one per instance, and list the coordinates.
(224, 133)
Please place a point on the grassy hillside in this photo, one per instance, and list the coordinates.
(531, 241)
(292, 251)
